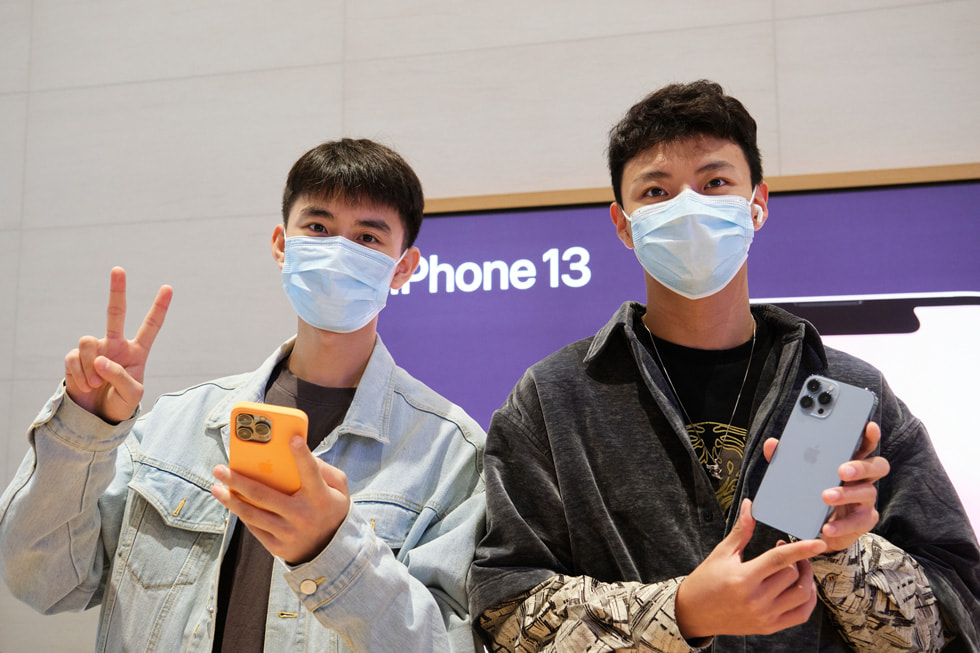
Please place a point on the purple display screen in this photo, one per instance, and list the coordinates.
(497, 291)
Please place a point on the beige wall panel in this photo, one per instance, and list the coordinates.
(114, 41)
(23, 629)
(880, 89)
(15, 45)
(797, 9)
(13, 129)
(9, 280)
(25, 401)
(392, 29)
(176, 149)
(537, 117)
(228, 311)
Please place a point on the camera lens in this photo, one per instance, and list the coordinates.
(813, 385)
(806, 401)
(244, 418)
(262, 428)
(825, 398)
(243, 433)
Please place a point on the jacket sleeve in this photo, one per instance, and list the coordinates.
(921, 514)
(522, 584)
(60, 515)
(880, 597)
(571, 614)
(415, 602)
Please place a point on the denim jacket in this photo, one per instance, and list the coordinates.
(122, 516)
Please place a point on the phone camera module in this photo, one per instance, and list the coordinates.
(263, 430)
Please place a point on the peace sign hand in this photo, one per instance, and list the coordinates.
(105, 376)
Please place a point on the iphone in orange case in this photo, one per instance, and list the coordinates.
(259, 443)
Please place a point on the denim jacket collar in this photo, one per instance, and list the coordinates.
(368, 413)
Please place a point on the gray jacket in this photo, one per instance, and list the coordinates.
(590, 472)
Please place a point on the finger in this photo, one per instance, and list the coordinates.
(798, 601)
(333, 477)
(857, 494)
(780, 557)
(735, 542)
(74, 375)
(769, 448)
(306, 462)
(869, 441)
(129, 389)
(251, 500)
(88, 351)
(248, 513)
(154, 318)
(115, 325)
(867, 470)
(854, 523)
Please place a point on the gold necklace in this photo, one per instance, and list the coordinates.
(715, 467)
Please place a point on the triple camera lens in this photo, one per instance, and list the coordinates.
(250, 427)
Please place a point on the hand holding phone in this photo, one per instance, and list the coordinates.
(823, 432)
(259, 443)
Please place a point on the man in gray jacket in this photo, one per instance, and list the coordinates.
(620, 470)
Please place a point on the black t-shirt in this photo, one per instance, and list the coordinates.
(246, 571)
(707, 384)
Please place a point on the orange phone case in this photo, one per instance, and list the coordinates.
(259, 443)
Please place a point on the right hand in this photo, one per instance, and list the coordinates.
(726, 596)
(105, 376)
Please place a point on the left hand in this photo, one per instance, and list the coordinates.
(295, 527)
(854, 501)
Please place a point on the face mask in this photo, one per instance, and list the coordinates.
(694, 244)
(335, 284)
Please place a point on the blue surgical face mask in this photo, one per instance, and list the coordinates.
(335, 284)
(694, 244)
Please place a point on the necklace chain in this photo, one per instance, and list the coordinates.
(715, 467)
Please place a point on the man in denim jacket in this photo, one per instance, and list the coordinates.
(119, 509)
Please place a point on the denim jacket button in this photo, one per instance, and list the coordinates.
(307, 587)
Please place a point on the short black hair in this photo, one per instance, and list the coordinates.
(677, 112)
(359, 171)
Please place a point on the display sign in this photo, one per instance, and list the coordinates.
(497, 291)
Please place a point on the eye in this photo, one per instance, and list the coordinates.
(368, 238)
(717, 182)
(654, 192)
(316, 227)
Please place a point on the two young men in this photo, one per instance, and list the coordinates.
(620, 470)
(121, 510)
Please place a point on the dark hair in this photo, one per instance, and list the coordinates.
(677, 112)
(358, 171)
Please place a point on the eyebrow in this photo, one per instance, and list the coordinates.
(654, 175)
(317, 212)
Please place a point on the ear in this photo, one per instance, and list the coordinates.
(760, 206)
(279, 244)
(405, 267)
(622, 224)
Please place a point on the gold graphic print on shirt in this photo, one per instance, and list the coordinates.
(728, 449)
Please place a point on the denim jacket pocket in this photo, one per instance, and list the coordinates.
(174, 528)
(391, 518)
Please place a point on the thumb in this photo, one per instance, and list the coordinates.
(741, 533)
